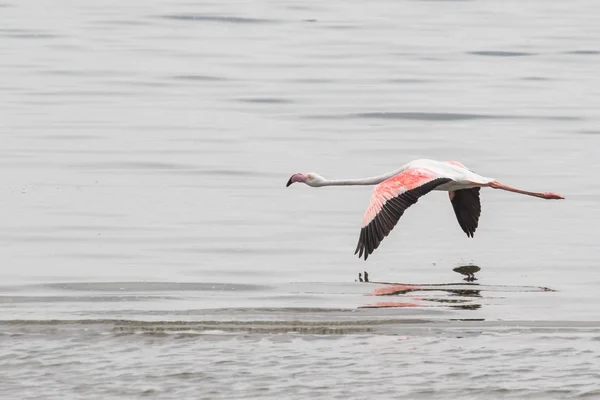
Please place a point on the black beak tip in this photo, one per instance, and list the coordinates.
(288, 183)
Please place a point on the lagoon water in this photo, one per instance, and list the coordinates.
(150, 248)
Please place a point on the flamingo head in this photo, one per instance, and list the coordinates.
(310, 178)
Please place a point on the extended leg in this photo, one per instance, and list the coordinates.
(544, 195)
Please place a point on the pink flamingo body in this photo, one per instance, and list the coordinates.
(398, 190)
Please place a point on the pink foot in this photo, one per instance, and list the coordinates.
(554, 196)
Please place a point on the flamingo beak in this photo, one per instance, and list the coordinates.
(296, 178)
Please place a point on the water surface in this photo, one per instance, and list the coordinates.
(149, 246)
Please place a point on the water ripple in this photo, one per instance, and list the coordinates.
(26, 34)
(266, 100)
(152, 286)
(438, 116)
(200, 78)
(584, 52)
(491, 53)
(218, 18)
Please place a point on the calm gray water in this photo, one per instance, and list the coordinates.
(149, 247)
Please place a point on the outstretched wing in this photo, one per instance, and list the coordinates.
(388, 202)
(467, 208)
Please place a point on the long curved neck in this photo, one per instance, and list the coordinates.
(373, 180)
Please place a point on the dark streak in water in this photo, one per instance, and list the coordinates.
(31, 36)
(103, 215)
(148, 84)
(408, 80)
(132, 165)
(225, 172)
(425, 116)
(101, 256)
(121, 152)
(86, 73)
(583, 52)
(340, 27)
(313, 80)
(244, 251)
(152, 286)
(535, 78)
(88, 228)
(491, 53)
(218, 18)
(68, 137)
(26, 34)
(83, 93)
(411, 326)
(266, 100)
(117, 22)
(79, 299)
(428, 116)
(589, 132)
(91, 238)
(207, 78)
(153, 167)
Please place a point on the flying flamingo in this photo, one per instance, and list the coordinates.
(399, 189)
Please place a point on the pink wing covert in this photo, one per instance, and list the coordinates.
(388, 202)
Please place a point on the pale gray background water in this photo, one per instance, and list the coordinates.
(144, 149)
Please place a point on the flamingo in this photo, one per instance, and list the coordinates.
(398, 190)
